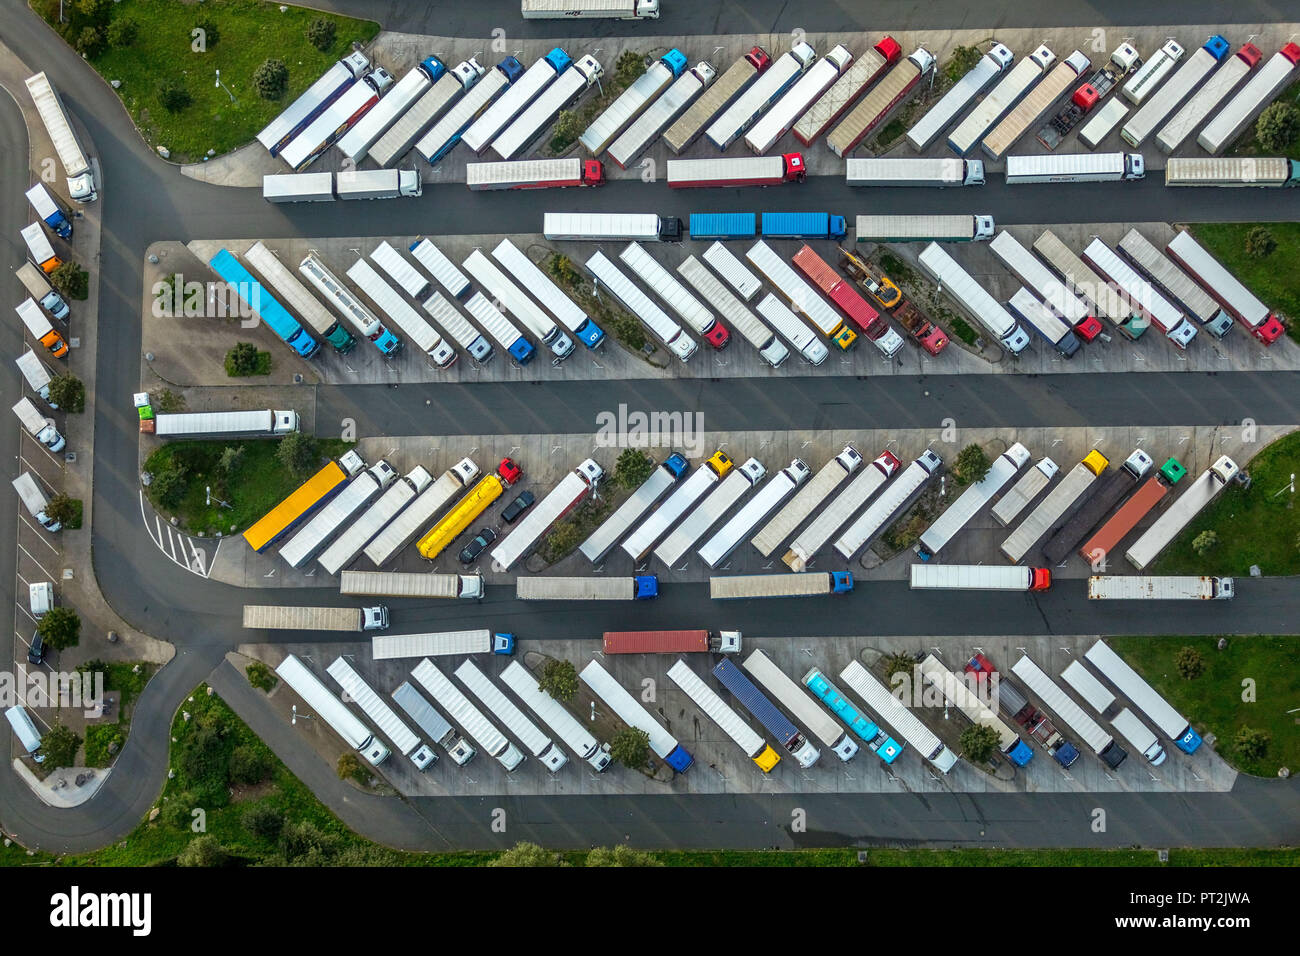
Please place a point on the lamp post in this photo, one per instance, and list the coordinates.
(223, 86)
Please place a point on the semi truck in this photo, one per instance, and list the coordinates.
(41, 291)
(1258, 92)
(838, 289)
(962, 93)
(662, 744)
(728, 538)
(535, 174)
(750, 327)
(40, 328)
(363, 322)
(803, 549)
(523, 91)
(892, 501)
(49, 106)
(647, 535)
(435, 726)
(709, 511)
(633, 101)
(1151, 306)
(1266, 171)
(1013, 704)
(779, 76)
(39, 248)
(508, 297)
(35, 501)
(275, 617)
(867, 730)
(40, 426)
(1081, 279)
(1005, 95)
(979, 577)
(346, 184)
(1102, 122)
(1024, 491)
(688, 308)
(262, 423)
(788, 325)
(450, 527)
(555, 715)
(1168, 97)
(1187, 506)
(589, 9)
(305, 305)
(374, 519)
(453, 125)
(526, 273)
(666, 474)
(1113, 587)
(780, 119)
(51, 212)
(1037, 277)
(1059, 703)
(1223, 81)
(786, 690)
(802, 225)
(423, 335)
(757, 703)
(303, 501)
(470, 719)
(535, 741)
(971, 502)
(331, 85)
(863, 683)
(376, 708)
(1036, 103)
(1075, 168)
(457, 327)
(973, 298)
(395, 103)
(335, 120)
(399, 532)
(1185, 293)
(1152, 73)
(36, 375)
(805, 502)
(914, 171)
(924, 228)
(258, 303)
(835, 102)
(646, 129)
(735, 171)
(304, 545)
(735, 80)
(387, 647)
(1143, 696)
(721, 713)
(333, 711)
(1057, 507)
(1043, 320)
(448, 86)
(639, 304)
(800, 295)
(1100, 699)
(428, 584)
(1226, 289)
(881, 100)
(1110, 491)
(539, 519)
(642, 587)
(1123, 60)
(672, 642)
(515, 139)
(1096, 549)
(744, 587)
(959, 695)
(611, 226)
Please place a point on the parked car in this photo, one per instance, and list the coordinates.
(36, 650)
(469, 554)
(517, 507)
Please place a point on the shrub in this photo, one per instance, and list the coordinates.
(303, 838)
(972, 465)
(1260, 243)
(296, 452)
(899, 664)
(559, 679)
(263, 820)
(168, 401)
(177, 813)
(64, 509)
(68, 392)
(271, 79)
(349, 767)
(1252, 744)
(1189, 663)
(249, 764)
(90, 42)
(621, 855)
(979, 742)
(203, 850)
(631, 748)
(628, 331)
(1277, 127)
(60, 745)
(528, 854)
(122, 32)
(203, 760)
(72, 281)
(232, 457)
(242, 360)
(568, 127)
(961, 62)
(321, 33)
(169, 486)
(95, 12)
(628, 67)
(60, 628)
(1204, 542)
(632, 468)
(261, 676)
(173, 96)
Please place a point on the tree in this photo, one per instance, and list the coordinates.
(559, 679)
(321, 33)
(95, 11)
(972, 465)
(632, 468)
(1260, 243)
(631, 748)
(621, 855)
(961, 62)
(628, 67)
(90, 42)
(64, 510)
(271, 79)
(169, 485)
(242, 360)
(263, 820)
(528, 854)
(173, 95)
(296, 452)
(302, 839)
(979, 742)
(249, 764)
(203, 850)
(60, 745)
(72, 281)
(60, 628)
(122, 32)
(1252, 744)
(1204, 542)
(232, 457)
(1189, 663)
(628, 330)
(68, 392)
(261, 676)
(900, 663)
(1277, 127)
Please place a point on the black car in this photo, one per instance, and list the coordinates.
(517, 507)
(471, 551)
(36, 649)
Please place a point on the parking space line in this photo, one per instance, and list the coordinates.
(38, 535)
(23, 608)
(46, 451)
(34, 561)
(36, 473)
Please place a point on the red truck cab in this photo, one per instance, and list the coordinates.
(795, 167)
(758, 56)
(1040, 579)
(718, 336)
(593, 173)
(508, 471)
(1089, 328)
(1085, 97)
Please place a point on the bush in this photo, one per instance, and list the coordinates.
(169, 486)
(621, 855)
(349, 768)
(631, 748)
(632, 468)
(65, 510)
(972, 465)
(68, 392)
(628, 67)
(249, 764)
(271, 79)
(60, 628)
(90, 42)
(122, 32)
(203, 850)
(242, 360)
(979, 742)
(261, 676)
(72, 281)
(60, 745)
(263, 820)
(559, 679)
(296, 452)
(96, 12)
(568, 127)
(1260, 243)
(528, 854)
(173, 96)
(168, 401)
(1189, 663)
(203, 761)
(961, 62)
(321, 33)
(899, 664)
(1204, 542)
(232, 457)
(303, 839)
(628, 331)
(1252, 744)
(1277, 127)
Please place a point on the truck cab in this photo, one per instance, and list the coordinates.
(508, 471)
(984, 228)
(670, 229)
(1016, 341)
(841, 582)
(795, 167)
(503, 643)
(374, 618)
(720, 462)
(677, 464)
(1040, 579)
(646, 587)
(468, 72)
(1134, 166)
(593, 173)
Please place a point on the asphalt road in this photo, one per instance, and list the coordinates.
(146, 200)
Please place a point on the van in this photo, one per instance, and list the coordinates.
(40, 595)
(39, 426)
(34, 500)
(25, 729)
(40, 290)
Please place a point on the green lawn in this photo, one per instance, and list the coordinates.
(1213, 701)
(1255, 526)
(1275, 280)
(249, 32)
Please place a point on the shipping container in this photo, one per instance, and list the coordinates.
(1096, 549)
(757, 703)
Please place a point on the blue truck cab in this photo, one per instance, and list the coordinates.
(884, 746)
(723, 225)
(1189, 741)
(434, 67)
(51, 213)
(559, 60)
(1020, 754)
(647, 587)
(512, 68)
(677, 464)
(841, 582)
(675, 60)
(589, 334)
(803, 225)
(1217, 47)
(503, 643)
(522, 351)
(679, 759)
(386, 341)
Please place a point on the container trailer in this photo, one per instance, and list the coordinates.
(735, 171)
(867, 730)
(780, 119)
(377, 183)
(42, 428)
(640, 305)
(688, 308)
(788, 325)
(1187, 506)
(538, 520)
(262, 423)
(277, 617)
(1005, 95)
(1151, 305)
(973, 298)
(300, 113)
(1146, 497)
(425, 584)
(40, 328)
(1186, 294)
(710, 511)
(49, 106)
(1128, 587)
(508, 297)
(757, 703)
(1036, 103)
(302, 303)
(335, 120)
(962, 93)
(806, 500)
(423, 335)
(39, 249)
(501, 329)
(1012, 703)
(1037, 277)
(632, 102)
(758, 96)
(881, 100)
(349, 544)
(1075, 168)
(316, 534)
(516, 138)
(51, 212)
(1100, 699)
(41, 291)
(35, 501)
(435, 726)
(1056, 700)
(589, 9)
(457, 327)
(638, 137)
(971, 502)
(769, 347)
(1057, 507)
(1194, 112)
(1143, 696)
(863, 683)
(448, 86)
(1258, 92)
(1168, 97)
(1087, 284)
(959, 695)
(364, 696)
(803, 549)
(470, 719)
(298, 187)
(387, 647)
(36, 375)
(455, 123)
(1152, 73)
(800, 295)
(1226, 289)
(535, 741)
(333, 711)
(802, 225)
(1024, 491)
(836, 101)
(672, 642)
(793, 697)
(924, 228)
(642, 587)
(666, 474)
(535, 174)
(979, 577)
(1044, 321)
(399, 532)
(302, 501)
(744, 736)
(524, 271)
(1267, 171)
(728, 538)
(1101, 124)
(735, 80)
(522, 91)
(624, 706)
(390, 108)
(363, 322)
(914, 171)
(891, 502)
(744, 587)
(611, 226)
(260, 303)
(441, 268)
(556, 716)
